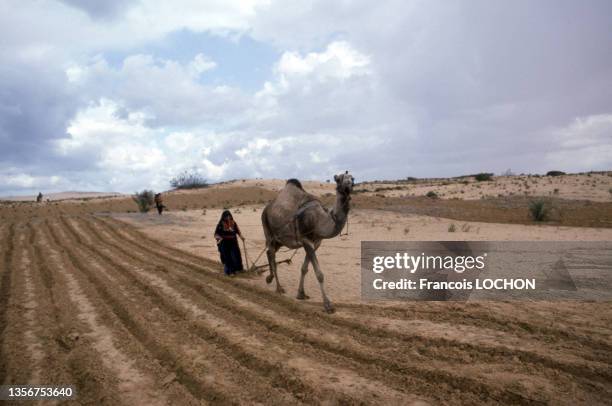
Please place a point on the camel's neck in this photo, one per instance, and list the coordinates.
(339, 213)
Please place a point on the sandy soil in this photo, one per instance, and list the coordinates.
(63, 196)
(593, 187)
(132, 321)
(191, 231)
(133, 310)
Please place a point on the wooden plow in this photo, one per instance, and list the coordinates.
(261, 268)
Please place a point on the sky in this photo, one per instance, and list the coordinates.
(124, 95)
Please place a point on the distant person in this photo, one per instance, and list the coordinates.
(226, 235)
(159, 204)
(39, 198)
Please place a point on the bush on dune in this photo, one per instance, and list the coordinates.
(482, 177)
(538, 210)
(555, 173)
(144, 200)
(189, 180)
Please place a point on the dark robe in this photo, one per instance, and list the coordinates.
(229, 248)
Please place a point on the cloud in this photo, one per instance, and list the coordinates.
(171, 93)
(338, 61)
(24, 181)
(36, 105)
(401, 88)
(127, 154)
(589, 138)
(325, 91)
(100, 9)
(71, 28)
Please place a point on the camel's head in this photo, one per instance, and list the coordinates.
(344, 183)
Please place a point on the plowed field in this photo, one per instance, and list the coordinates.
(91, 301)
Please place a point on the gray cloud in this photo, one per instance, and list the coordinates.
(106, 9)
(35, 109)
(481, 82)
(448, 88)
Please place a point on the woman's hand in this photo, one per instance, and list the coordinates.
(242, 237)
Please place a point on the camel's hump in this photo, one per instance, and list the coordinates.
(294, 182)
(287, 202)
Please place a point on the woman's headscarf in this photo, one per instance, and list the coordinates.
(224, 217)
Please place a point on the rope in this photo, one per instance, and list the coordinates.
(294, 252)
(254, 263)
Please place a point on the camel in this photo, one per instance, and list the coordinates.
(297, 219)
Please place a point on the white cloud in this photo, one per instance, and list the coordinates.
(169, 92)
(594, 130)
(583, 145)
(98, 126)
(119, 147)
(18, 181)
(338, 61)
(215, 172)
(201, 64)
(132, 158)
(328, 91)
(51, 29)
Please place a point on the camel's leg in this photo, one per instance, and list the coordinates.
(312, 257)
(270, 276)
(301, 295)
(273, 274)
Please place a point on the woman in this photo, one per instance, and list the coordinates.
(225, 234)
(159, 203)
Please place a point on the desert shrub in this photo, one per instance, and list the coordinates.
(556, 191)
(482, 177)
(452, 228)
(144, 200)
(555, 173)
(432, 195)
(538, 210)
(188, 180)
